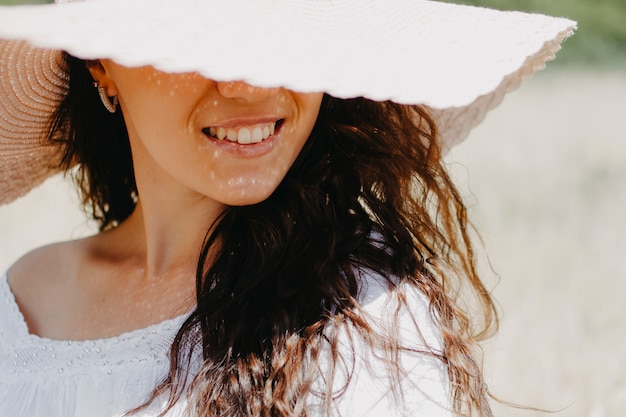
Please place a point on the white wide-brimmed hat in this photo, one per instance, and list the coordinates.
(457, 60)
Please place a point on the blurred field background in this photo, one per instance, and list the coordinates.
(545, 179)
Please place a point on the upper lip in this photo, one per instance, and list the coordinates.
(237, 122)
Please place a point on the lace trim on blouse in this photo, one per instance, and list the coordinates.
(104, 377)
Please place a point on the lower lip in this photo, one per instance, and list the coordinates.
(250, 150)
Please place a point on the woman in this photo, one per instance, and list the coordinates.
(264, 250)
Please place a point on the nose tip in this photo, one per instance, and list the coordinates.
(243, 90)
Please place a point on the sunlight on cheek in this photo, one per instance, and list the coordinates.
(175, 83)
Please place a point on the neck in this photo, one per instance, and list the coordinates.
(163, 238)
(164, 234)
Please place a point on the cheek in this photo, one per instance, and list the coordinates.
(309, 105)
(155, 100)
(297, 133)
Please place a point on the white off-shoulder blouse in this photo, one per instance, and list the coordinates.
(41, 377)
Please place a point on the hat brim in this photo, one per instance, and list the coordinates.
(457, 60)
(409, 51)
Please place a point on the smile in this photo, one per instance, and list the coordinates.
(244, 135)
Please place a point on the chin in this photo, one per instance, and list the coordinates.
(248, 196)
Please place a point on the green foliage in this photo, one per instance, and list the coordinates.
(12, 2)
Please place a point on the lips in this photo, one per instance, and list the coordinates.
(244, 135)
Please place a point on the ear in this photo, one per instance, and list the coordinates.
(101, 77)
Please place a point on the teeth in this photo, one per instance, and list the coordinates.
(257, 135)
(243, 135)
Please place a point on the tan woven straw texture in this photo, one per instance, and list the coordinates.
(458, 60)
(32, 82)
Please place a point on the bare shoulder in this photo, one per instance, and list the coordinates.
(45, 264)
(40, 278)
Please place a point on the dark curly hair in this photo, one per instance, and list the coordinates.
(368, 191)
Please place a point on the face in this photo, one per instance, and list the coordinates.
(225, 141)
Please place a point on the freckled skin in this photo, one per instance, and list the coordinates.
(165, 115)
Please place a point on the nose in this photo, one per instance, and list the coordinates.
(243, 91)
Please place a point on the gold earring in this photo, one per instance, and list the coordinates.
(110, 105)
